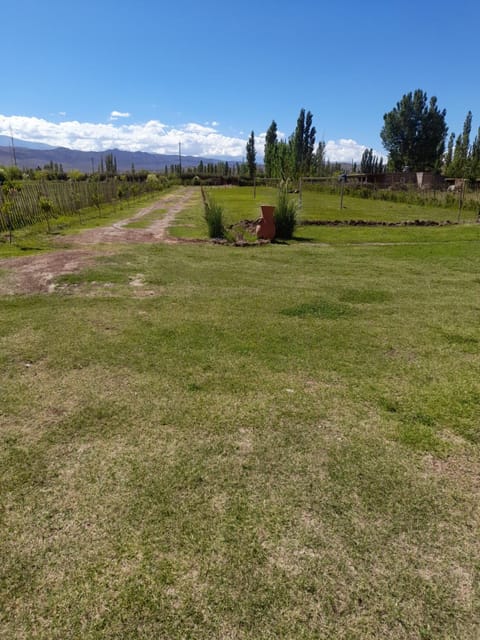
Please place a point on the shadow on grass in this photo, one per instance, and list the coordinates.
(299, 239)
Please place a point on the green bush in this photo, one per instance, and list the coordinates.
(214, 218)
(285, 216)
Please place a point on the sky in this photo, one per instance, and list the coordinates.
(148, 75)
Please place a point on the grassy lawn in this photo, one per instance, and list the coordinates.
(189, 223)
(205, 442)
(361, 235)
(324, 206)
(239, 204)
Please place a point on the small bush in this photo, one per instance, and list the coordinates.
(214, 218)
(285, 216)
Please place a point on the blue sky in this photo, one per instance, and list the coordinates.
(99, 74)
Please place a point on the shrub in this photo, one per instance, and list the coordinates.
(285, 216)
(214, 218)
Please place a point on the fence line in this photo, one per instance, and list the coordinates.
(27, 203)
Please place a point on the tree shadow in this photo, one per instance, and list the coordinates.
(298, 239)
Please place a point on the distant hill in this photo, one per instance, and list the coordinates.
(29, 158)
(6, 141)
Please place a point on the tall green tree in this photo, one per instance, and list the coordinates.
(270, 156)
(283, 167)
(475, 157)
(319, 160)
(460, 166)
(251, 156)
(302, 144)
(414, 133)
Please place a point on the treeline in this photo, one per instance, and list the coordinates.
(462, 158)
(54, 171)
(297, 156)
(301, 156)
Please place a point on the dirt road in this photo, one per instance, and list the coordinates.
(35, 274)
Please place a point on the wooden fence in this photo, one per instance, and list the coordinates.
(27, 203)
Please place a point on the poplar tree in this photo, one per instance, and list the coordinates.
(371, 163)
(475, 157)
(302, 143)
(461, 155)
(251, 156)
(270, 156)
(318, 160)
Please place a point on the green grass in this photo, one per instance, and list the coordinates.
(324, 206)
(396, 235)
(190, 223)
(204, 441)
(239, 204)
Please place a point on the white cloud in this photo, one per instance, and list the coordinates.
(346, 150)
(119, 114)
(152, 136)
(156, 137)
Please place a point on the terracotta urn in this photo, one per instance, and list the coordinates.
(266, 227)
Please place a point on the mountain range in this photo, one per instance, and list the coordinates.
(39, 155)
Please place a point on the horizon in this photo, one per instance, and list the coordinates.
(20, 144)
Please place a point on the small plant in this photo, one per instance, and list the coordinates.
(46, 207)
(285, 215)
(213, 217)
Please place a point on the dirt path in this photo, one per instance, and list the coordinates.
(156, 232)
(35, 274)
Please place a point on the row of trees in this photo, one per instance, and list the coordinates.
(414, 135)
(294, 157)
(54, 172)
(462, 159)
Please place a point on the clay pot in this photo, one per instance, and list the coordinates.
(266, 228)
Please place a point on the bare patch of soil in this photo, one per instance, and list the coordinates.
(36, 274)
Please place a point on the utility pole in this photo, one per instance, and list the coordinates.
(180, 158)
